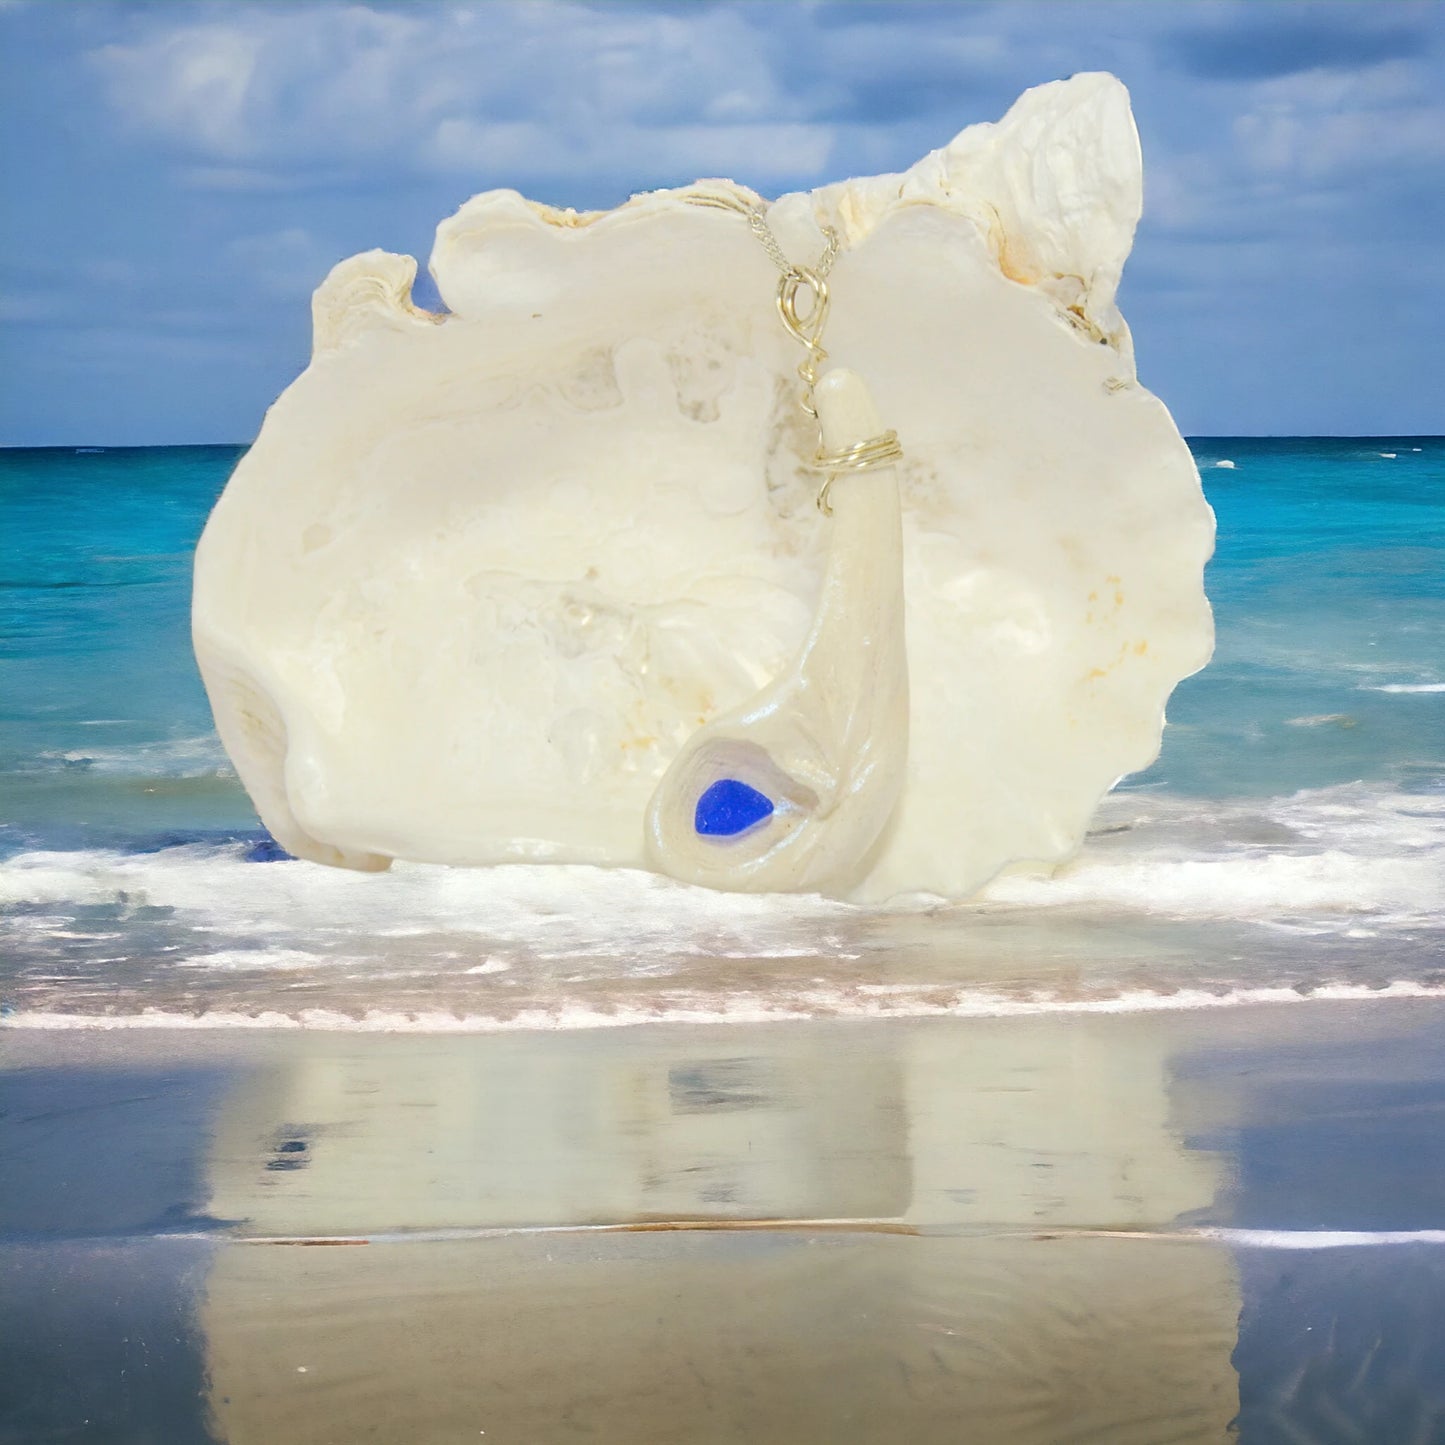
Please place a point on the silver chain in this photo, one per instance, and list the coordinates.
(758, 221)
(779, 257)
(806, 328)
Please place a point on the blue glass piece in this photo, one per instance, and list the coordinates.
(729, 807)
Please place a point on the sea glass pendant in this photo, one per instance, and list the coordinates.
(804, 775)
(730, 807)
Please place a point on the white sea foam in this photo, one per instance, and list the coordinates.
(279, 960)
(553, 911)
(1338, 853)
(1335, 859)
(1257, 886)
(1404, 687)
(1225, 463)
(1318, 1238)
(898, 1003)
(491, 965)
(190, 757)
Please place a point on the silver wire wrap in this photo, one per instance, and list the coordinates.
(868, 456)
(806, 328)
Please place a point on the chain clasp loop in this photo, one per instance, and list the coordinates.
(805, 328)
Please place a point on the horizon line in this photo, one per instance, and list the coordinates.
(1399, 436)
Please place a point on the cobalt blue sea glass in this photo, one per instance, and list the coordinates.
(730, 807)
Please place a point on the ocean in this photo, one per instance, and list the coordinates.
(1148, 1150)
(1289, 841)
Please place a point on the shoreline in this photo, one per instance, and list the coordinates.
(808, 1007)
(1133, 1225)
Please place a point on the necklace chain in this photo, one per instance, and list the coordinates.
(806, 328)
(764, 233)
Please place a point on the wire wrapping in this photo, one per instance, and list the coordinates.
(878, 451)
(806, 328)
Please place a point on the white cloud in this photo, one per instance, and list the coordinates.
(193, 82)
(539, 89)
(1322, 126)
(594, 96)
(1325, 147)
(1292, 151)
(761, 151)
(269, 97)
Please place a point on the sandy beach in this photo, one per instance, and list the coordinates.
(1123, 1228)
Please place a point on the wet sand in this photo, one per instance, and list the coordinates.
(1113, 1228)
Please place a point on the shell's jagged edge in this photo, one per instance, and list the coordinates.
(492, 568)
(1055, 188)
(715, 190)
(372, 287)
(1036, 219)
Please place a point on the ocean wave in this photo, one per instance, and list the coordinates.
(912, 1003)
(1331, 859)
(1334, 855)
(554, 911)
(1254, 886)
(1314, 1238)
(1403, 687)
(190, 757)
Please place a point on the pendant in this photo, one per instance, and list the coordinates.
(793, 790)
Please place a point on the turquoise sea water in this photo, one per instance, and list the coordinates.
(1119, 1228)
(1299, 799)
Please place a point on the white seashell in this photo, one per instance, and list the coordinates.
(485, 578)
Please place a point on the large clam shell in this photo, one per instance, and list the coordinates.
(485, 576)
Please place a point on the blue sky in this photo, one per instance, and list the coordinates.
(177, 177)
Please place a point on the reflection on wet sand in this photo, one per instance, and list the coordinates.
(739, 1337)
(432, 1132)
(926, 1307)
(870, 1232)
